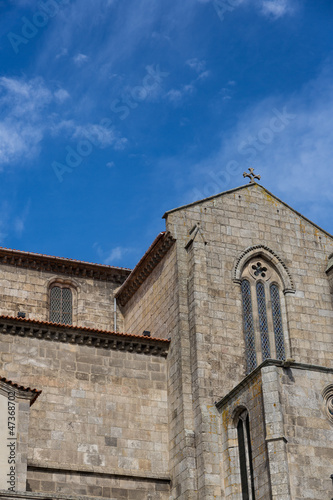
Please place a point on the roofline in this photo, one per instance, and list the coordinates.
(153, 256)
(193, 203)
(243, 187)
(62, 265)
(76, 335)
(31, 393)
(81, 328)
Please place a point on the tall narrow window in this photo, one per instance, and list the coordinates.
(263, 325)
(248, 327)
(277, 323)
(61, 305)
(245, 457)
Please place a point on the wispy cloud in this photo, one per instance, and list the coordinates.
(62, 95)
(273, 9)
(100, 135)
(21, 125)
(196, 64)
(287, 139)
(177, 95)
(28, 112)
(113, 256)
(12, 222)
(80, 59)
(276, 8)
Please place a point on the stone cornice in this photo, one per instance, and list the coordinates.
(142, 270)
(20, 391)
(60, 265)
(83, 336)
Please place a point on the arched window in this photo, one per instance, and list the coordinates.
(248, 326)
(245, 456)
(61, 305)
(262, 313)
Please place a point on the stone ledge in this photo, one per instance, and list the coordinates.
(83, 336)
(17, 495)
(99, 471)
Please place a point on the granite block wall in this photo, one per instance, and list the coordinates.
(27, 290)
(101, 411)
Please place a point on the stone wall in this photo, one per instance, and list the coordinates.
(100, 411)
(153, 307)
(229, 224)
(291, 434)
(207, 356)
(309, 432)
(27, 290)
(248, 397)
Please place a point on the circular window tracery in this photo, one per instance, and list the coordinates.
(328, 402)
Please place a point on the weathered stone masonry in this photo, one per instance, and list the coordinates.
(132, 416)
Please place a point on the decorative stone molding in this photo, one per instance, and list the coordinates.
(328, 402)
(269, 255)
(142, 270)
(20, 391)
(83, 336)
(59, 265)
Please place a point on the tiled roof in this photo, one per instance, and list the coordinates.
(81, 329)
(144, 267)
(61, 265)
(35, 392)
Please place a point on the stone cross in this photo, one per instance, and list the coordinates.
(251, 175)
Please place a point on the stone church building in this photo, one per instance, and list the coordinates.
(205, 373)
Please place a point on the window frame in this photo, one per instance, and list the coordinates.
(267, 279)
(73, 287)
(245, 457)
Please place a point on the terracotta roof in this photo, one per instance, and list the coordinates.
(22, 388)
(155, 253)
(41, 262)
(82, 328)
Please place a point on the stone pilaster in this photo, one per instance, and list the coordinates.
(276, 440)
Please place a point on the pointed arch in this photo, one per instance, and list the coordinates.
(271, 256)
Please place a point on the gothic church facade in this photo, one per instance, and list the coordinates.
(206, 372)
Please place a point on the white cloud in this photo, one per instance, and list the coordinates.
(276, 8)
(177, 95)
(287, 140)
(62, 95)
(269, 8)
(100, 135)
(80, 59)
(113, 256)
(28, 114)
(196, 64)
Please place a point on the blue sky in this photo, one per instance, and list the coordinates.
(113, 111)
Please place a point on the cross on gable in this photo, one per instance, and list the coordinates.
(251, 176)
